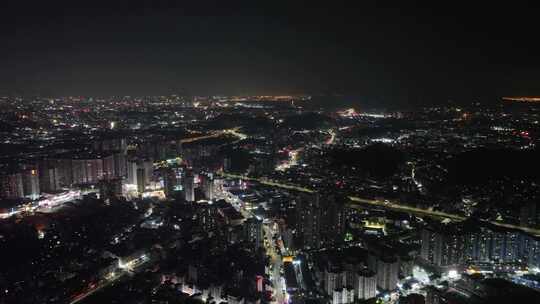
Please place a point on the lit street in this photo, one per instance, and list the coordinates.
(122, 269)
(275, 264)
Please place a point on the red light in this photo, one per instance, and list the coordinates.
(524, 134)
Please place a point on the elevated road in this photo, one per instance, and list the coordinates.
(268, 182)
(358, 201)
(215, 134)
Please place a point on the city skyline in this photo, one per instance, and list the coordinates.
(267, 153)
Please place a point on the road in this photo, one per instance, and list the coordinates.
(215, 134)
(354, 200)
(267, 182)
(276, 262)
(120, 271)
(49, 203)
(275, 258)
(332, 138)
(93, 289)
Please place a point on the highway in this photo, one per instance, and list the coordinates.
(357, 201)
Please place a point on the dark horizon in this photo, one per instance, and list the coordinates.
(407, 54)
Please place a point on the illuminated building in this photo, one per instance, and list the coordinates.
(109, 189)
(226, 164)
(334, 278)
(49, 178)
(406, 265)
(119, 164)
(428, 245)
(387, 273)
(259, 281)
(86, 171)
(113, 144)
(208, 187)
(189, 187)
(497, 247)
(343, 296)
(365, 285)
(321, 220)
(254, 231)
(141, 180)
(512, 244)
(333, 220)
(169, 181)
(108, 167)
(132, 172)
(148, 171)
(477, 244)
(31, 183)
(207, 215)
(290, 277)
(11, 186)
(89, 168)
(309, 221)
(528, 216)
(531, 251)
(442, 247)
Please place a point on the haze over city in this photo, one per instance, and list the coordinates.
(405, 54)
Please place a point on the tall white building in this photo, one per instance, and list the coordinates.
(189, 187)
(343, 296)
(309, 221)
(132, 172)
(49, 179)
(148, 171)
(366, 285)
(387, 273)
(30, 179)
(333, 279)
(208, 187)
(141, 178)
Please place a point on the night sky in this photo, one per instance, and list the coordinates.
(393, 53)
